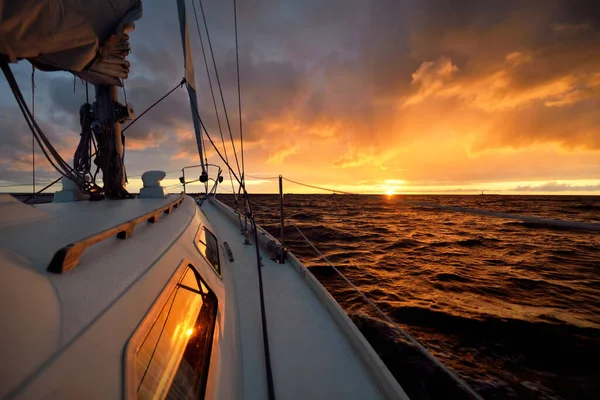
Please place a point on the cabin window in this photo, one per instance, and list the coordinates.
(173, 358)
(208, 245)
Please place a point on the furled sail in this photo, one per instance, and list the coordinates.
(190, 79)
(88, 38)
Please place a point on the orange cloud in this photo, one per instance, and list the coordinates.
(496, 91)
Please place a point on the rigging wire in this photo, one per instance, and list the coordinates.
(15, 185)
(32, 135)
(268, 178)
(179, 85)
(237, 63)
(269, 372)
(42, 189)
(214, 145)
(158, 340)
(219, 84)
(316, 187)
(212, 92)
(412, 340)
(48, 149)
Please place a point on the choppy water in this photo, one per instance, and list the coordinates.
(511, 307)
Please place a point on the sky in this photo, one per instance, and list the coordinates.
(380, 96)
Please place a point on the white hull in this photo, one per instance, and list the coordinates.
(76, 334)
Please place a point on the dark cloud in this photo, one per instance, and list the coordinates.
(557, 187)
(16, 160)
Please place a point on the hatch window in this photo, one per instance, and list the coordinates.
(208, 246)
(173, 358)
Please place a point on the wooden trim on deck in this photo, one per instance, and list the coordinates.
(67, 257)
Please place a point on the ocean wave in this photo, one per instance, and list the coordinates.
(448, 277)
(452, 285)
(587, 207)
(404, 244)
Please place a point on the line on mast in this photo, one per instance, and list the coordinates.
(219, 84)
(212, 92)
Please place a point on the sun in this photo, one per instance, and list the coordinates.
(390, 192)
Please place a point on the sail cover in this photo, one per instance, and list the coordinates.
(88, 38)
(189, 76)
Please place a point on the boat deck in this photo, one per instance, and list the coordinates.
(58, 323)
(311, 354)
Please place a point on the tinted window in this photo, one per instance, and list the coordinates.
(209, 247)
(173, 358)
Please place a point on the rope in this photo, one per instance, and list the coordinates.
(82, 160)
(219, 84)
(180, 84)
(124, 93)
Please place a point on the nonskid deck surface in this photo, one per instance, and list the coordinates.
(70, 222)
(310, 355)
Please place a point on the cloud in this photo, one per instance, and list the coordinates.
(431, 78)
(572, 28)
(499, 90)
(278, 156)
(16, 160)
(557, 187)
(448, 91)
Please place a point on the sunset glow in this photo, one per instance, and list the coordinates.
(363, 97)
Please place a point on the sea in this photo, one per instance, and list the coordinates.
(511, 307)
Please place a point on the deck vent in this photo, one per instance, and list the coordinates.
(152, 188)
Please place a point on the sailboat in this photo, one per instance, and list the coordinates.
(110, 295)
(107, 294)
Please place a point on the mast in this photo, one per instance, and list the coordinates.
(107, 129)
